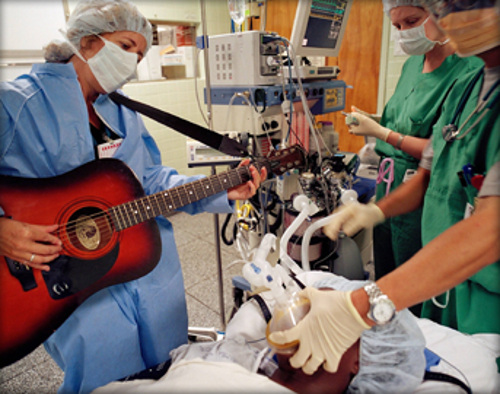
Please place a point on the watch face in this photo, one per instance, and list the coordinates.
(383, 312)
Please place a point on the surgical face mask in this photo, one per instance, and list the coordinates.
(112, 66)
(472, 31)
(414, 41)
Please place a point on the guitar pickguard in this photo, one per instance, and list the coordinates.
(68, 275)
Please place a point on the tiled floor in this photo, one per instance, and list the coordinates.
(37, 373)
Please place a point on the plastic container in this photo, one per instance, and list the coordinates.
(287, 315)
(330, 136)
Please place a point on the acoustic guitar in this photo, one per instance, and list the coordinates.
(109, 234)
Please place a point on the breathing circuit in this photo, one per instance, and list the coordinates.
(260, 273)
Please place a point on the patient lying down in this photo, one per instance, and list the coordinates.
(226, 367)
(385, 359)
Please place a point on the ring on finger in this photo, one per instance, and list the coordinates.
(32, 257)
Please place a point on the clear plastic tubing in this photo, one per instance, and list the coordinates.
(307, 239)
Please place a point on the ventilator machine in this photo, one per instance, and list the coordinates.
(265, 90)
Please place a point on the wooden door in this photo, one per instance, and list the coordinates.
(358, 60)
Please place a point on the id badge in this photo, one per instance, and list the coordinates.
(108, 149)
(409, 174)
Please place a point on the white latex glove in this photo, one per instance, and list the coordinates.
(360, 124)
(330, 328)
(353, 217)
(375, 117)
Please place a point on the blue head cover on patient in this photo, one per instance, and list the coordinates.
(391, 358)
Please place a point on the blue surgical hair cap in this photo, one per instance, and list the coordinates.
(391, 356)
(390, 4)
(94, 17)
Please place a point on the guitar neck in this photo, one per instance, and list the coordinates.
(137, 211)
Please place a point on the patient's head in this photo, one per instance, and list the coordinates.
(387, 358)
(321, 381)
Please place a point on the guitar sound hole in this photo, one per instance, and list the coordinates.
(89, 229)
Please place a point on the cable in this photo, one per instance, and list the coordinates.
(307, 113)
(235, 262)
(244, 97)
(196, 87)
(228, 242)
(263, 123)
(441, 377)
(300, 142)
(465, 380)
(288, 115)
(263, 14)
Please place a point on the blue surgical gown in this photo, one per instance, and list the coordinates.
(125, 328)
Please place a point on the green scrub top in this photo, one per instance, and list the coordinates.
(473, 305)
(412, 110)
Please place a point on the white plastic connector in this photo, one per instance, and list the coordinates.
(259, 270)
(285, 106)
(349, 196)
(301, 203)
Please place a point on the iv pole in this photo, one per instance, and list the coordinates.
(214, 170)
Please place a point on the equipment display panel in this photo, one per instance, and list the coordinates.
(319, 26)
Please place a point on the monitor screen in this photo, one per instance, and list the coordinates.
(319, 27)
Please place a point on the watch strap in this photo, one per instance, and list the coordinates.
(376, 295)
(373, 291)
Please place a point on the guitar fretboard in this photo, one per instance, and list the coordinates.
(137, 211)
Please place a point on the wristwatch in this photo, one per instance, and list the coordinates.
(382, 309)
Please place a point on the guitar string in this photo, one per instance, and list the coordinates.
(66, 232)
(127, 217)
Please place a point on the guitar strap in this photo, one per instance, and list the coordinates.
(215, 140)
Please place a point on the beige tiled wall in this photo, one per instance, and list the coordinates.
(178, 97)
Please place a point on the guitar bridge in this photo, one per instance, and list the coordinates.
(22, 273)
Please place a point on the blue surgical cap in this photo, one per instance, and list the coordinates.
(94, 17)
(391, 357)
(390, 4)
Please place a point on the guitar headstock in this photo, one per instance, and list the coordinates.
(283, 160)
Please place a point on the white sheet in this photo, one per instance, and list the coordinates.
(472, 356)
(200, 376)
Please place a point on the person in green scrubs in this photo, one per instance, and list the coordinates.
(458, 183)
(406, 124)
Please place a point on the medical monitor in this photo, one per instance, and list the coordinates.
(319, 26)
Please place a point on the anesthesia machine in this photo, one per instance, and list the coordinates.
(265, 90)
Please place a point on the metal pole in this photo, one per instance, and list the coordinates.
(214, 170)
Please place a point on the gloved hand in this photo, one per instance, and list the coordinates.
(364, 125)
(330, 328)
(353, 217)
(375, 117)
